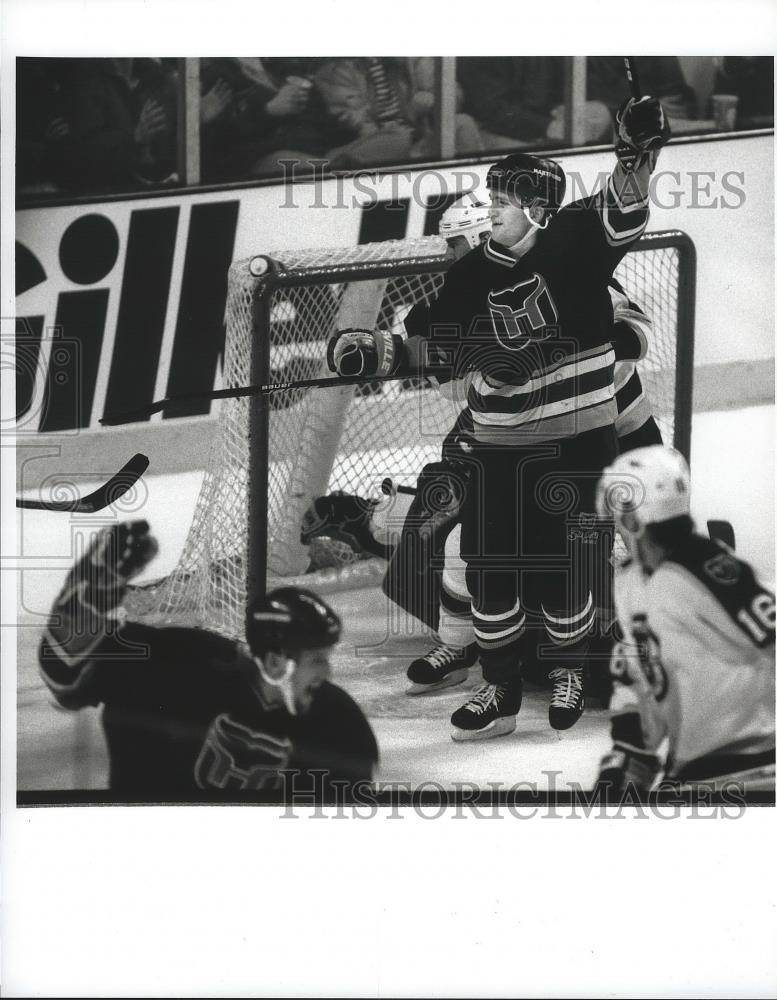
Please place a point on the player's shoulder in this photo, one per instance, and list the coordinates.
(715, 566)
(471, 260)
(343, 717)
(579, 218)
(181, 643)
(581, 210)
(470, 269)
(704, 569)
(331, 698)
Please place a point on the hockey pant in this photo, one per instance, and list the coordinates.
(537, 556)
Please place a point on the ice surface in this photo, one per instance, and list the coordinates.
(733, 479)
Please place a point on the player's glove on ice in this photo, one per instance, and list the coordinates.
(641, 129)
(364, 352)
(625, 769)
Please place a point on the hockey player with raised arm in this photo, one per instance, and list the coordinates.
(695, 668)
(189, 713)
(530, 316)
(426, 575)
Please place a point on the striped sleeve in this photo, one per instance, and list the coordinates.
(631, 326)
(72, 642)
(623, 221)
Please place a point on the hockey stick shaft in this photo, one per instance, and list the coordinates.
(109, 492)
(336, 381)
(631, 75)
(389, 488)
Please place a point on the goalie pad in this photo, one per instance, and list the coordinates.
(413, 580)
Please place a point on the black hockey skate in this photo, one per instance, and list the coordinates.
(568, 698)
(344, 517)
(490, 712)
(441, 667)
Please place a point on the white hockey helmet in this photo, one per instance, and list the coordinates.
(645, 486)
(468, 217)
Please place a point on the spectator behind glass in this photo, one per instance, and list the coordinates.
(122, 121)
(659, 76)
(43, 135)
(518, 101)
(467, 133)
(386, 107)
(370, 98)
(257, 112)
(751, 79)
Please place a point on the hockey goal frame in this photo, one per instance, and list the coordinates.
(245, 532)
(271, 276)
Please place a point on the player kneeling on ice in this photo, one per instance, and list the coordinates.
(529, 316)
(186, 711)
(696, 664)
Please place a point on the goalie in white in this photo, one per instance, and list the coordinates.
(696, 664)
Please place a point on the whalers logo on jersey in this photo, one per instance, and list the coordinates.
(522, 312)
(724, 568)
(235, 758)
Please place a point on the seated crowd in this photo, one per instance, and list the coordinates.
(91, 126)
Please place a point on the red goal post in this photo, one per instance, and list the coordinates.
(273, 454)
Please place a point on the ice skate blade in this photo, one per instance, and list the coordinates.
(499, 727)
(453, 678)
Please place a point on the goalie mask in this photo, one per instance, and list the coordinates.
(468, 217)
(529, 180)
(281, 628)
(644, 486)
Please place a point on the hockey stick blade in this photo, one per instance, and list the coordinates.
(336, 381)
(631, 75)
(109, 492)
(723, 531)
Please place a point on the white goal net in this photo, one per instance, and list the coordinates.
(250, 509)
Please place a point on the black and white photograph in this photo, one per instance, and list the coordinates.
(388, 438)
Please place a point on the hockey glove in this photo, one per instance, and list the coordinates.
(116, 555)
(625, 769)
(83, 611)
(364, 352)
(641, 129)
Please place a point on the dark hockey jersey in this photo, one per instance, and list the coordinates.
(536, 332)
(183, 715)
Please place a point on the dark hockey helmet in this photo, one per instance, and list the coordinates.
(290, 618)
(528, 179)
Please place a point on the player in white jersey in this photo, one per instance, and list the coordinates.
(695, 668)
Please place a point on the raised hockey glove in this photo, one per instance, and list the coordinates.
(84, 610)
(641, 129)
(625, 770)
(364, 352)
(116, 555)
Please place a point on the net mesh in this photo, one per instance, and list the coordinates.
(349, 439)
